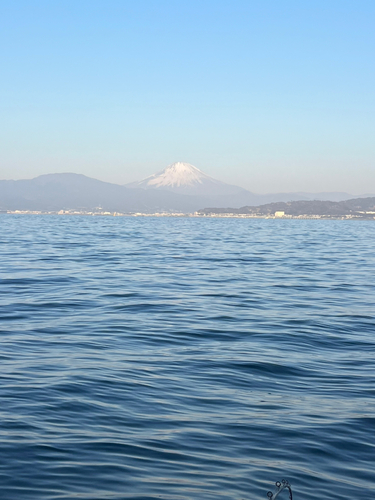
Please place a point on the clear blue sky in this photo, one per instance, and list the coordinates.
(274, 95)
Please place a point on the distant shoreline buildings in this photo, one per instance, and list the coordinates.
(223, 215)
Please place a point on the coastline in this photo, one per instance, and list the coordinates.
(364, 216)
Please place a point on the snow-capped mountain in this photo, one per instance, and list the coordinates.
(184, 178)
(178, 188)
(176, 175)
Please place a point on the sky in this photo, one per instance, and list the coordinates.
(271, 95)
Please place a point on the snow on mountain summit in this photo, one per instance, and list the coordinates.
(184, 178)
(177, 175)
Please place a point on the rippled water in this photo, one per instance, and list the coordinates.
(185, 358)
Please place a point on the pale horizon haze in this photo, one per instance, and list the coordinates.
(273, 96)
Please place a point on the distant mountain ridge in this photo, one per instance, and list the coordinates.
(69, 191)
(356, 206)
(180, 187)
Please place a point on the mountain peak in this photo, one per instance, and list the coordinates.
(176, 175)
(184, 178)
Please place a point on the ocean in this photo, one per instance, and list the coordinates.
(186, 358)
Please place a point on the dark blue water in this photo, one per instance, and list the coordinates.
(150, 358)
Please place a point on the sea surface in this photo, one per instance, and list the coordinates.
(185, 358)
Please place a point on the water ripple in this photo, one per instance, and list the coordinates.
(148, 358)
